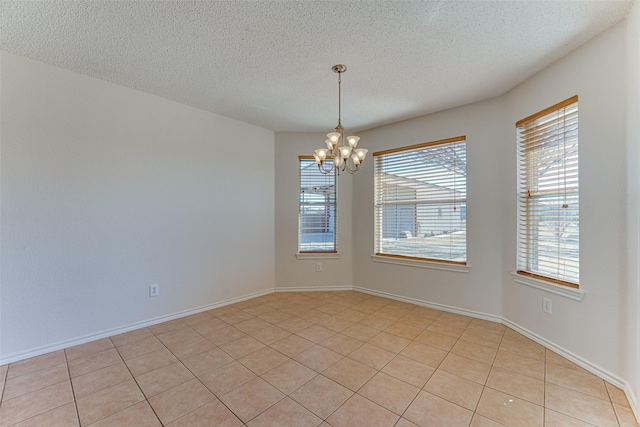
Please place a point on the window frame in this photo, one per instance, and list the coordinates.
(529, 180)
(313, 254)
(402, 259)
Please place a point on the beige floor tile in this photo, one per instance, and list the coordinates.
(138, 348)
(425, 354)
(474, 351)
(427, 312)
(350, 373)
(389, 392)
(210, 325)
(341, 344)
(108, 401)
(131, 336)
(180, 335)
(522, 365)
(181, 400)
(202, 363)
(270, 334)
(556, 419)
(372, 356)
(35, 403)
(235, 317)
(428, 410)
(321, 396)
(252, 326)
(138, 415)
(521, 386)
(578, 405)
(553, 358)
(358, 411)
(27, 383)
(466, 368)
(190, 347)
(166, 327)
(376, 322)
(409, 371)
(522, 346)
(625, 415)
(260, 309)
(88, 348)
(93, 362)
(360, 332)
(252, 398)
(509, 410)
(486, 325)
(289, 376)
(314, 316)
(292, 345)
(352, 315)
(486, 338)
(434, 339)
(445, 328)
(480, 421)
(404, 331)
(335, 323)
(224, 335)
(616, 394)
(95, 381)
(197, 318)
(582, 381)
(34, 364)
(332, 309)
(454, 389)
(151, 361)
(242, 346)
(227, 377)
(294, 324)
(285, 413)
(263, 360)
(155, 382)
(211, 414)
(316, 333)
(402, 422)
(390, 342)
(318, 358)
(62, 416)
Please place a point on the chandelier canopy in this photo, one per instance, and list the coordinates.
(341, 154)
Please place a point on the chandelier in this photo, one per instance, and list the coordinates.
(341, 154)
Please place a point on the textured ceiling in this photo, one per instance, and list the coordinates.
(269, 63)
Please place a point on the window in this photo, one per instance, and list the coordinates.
(548, 203)
(420, 201)
(317, 208)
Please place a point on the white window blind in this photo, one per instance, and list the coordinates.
(548, 196)
(420, 201)
(317, 208)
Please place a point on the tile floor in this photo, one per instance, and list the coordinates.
(338, 359)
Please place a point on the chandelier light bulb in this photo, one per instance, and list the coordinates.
(321, 153)
(353, 141)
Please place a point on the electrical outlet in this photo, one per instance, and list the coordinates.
(154, 290)
(547, 305)
(318, 266)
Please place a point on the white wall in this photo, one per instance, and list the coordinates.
(480, 289)
(106, 190)
(596, 73)
(301, 273)
(631, 349)
(601, 330)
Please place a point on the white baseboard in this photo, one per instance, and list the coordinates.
(120, 330)
(314, 288)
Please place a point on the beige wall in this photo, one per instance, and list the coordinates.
(106, 190)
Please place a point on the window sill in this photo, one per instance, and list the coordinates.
(565, 291)
(317, 255)
(422, 264)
